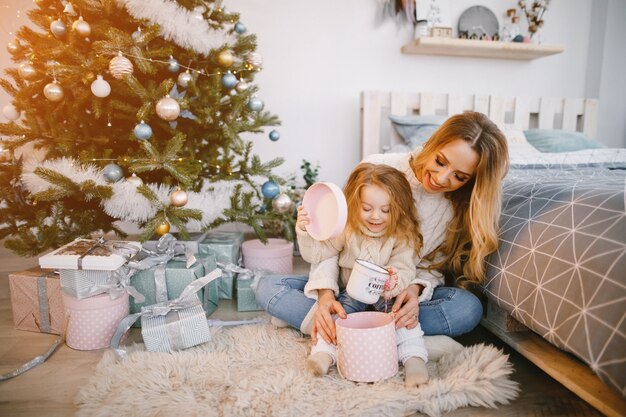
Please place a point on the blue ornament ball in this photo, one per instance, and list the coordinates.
(142, 131)
(229, 80)
(255, 104)
(270, 189)
(112, 172)
(274, 135)
(240, 28)
(173, 65)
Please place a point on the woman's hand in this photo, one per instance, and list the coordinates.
(303, 218)
(323, 323)
(406, 307)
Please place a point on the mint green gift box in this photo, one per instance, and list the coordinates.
(177, 277)
(246, 300)
(226, 246)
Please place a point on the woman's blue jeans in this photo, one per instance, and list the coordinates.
(451, 311)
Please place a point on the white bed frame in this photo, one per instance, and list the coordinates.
(573, 114)
(546, 113)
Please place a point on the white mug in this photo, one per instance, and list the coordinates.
(367, 281)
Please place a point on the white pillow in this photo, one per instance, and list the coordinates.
(518, 145)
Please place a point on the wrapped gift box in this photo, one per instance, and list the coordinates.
(36, 301)
(91, 254)
(82, 284)
(177, 277)
(176, 330)
(227, 249)
(246, 299)
(192, 242)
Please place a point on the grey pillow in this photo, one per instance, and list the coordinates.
(415, 130)
(549, 140)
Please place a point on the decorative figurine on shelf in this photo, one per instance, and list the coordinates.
(534, 16)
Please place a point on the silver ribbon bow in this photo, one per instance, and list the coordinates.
(254, 274)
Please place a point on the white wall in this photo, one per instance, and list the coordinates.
(318, 56)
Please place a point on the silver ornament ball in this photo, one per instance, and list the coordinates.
(58, 28)
(167, 108)
(135, 180)
(10, 112)
(12, 47)
(282, 203)
(184, 78)
(53, 92)
(112, 172)
(26, 71)
(81, 27)
(178, 198)
(120, 66)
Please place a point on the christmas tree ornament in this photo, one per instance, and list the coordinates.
(240, 28)
(255, 104)
(255, 60)
(12, 47)
(270, 189)
(69, 9)
(26, 71)
(58, 28)
(198, 13)
(120, 66)
(112, 172)
(53, 91)
(167, 108)
(184, 78)
(229, 80)
(81, 27)
(225, 58)
(274, 135)
(172, 64)
(136, 34)
(163, 228)
(100, 87)
(142, 131)
(242, 86)
(135, 180)
(282, 203)
(178, 198)
(10, 112)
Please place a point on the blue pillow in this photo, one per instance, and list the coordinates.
(415, 130)
(552, 141)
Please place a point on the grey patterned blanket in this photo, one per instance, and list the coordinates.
(561, 266)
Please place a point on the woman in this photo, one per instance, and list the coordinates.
(456, 182)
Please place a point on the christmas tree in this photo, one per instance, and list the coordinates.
(133, 110)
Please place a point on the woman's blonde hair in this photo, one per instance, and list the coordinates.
(403, 221)
(473, 232)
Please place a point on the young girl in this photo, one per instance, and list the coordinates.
(382, 228)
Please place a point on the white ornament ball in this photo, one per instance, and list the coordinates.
(26, 71)
(178, 198)
(167, 108)
(58, 28)
(282, 203)
(53, 91)
(242, 86)
(120, 66)
(81, 27)
(184, 78)
(100, 87)
(10, 112)
(135, 180)
(12, 47)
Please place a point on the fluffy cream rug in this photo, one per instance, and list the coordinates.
(259, 370)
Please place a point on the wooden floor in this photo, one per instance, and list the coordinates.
(48, 389)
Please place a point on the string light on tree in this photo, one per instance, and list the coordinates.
(81, 27)
(100, 87)
(53, 91)
(167, 108)
(120, 66)
(142, 131)
(178, 198)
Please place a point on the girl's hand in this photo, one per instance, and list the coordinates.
(323, 322)
(303, 218)
(406, 307)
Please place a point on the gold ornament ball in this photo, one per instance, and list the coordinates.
(120, 66)
(178, 198)
(225, 58)
(81, 27)
(53, 92)
(167, 108)
(163, 228)
(26, 71)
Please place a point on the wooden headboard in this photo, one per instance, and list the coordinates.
(574, 114)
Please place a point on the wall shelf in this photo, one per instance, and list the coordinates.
(480, 49)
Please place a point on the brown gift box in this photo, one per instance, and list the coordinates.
(36, 301)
